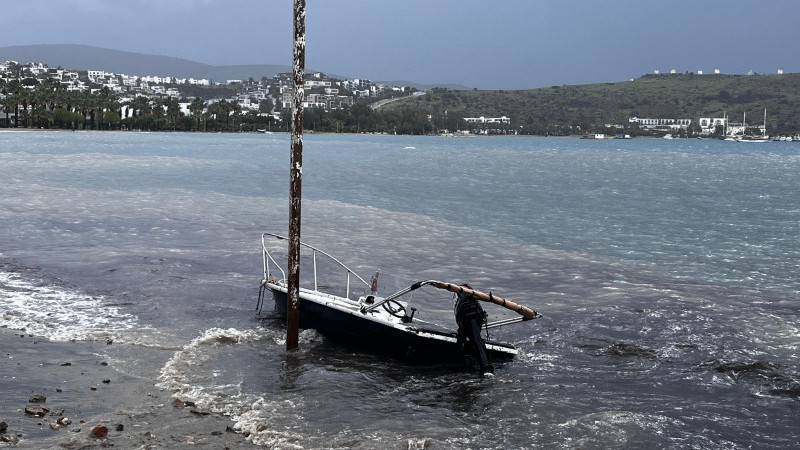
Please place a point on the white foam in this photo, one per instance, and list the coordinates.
(187, 379)
(57, 313)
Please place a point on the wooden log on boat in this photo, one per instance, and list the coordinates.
(519, 309)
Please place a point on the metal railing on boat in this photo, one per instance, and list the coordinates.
(267, 258)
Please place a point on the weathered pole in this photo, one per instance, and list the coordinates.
(296, 176)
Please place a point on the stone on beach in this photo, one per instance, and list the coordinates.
(100, 430)
(37, 398)
(36, 411)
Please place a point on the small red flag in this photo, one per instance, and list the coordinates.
(374, 286)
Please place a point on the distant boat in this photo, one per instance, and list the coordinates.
(264, 131)
(594, 136)
(622, 136)
(668, 136)
(459, 134)
(753, 138)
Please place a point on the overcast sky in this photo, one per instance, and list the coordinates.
(488, 44)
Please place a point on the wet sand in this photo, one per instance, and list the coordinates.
(83, 387)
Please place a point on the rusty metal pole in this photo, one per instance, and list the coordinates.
(296, 177)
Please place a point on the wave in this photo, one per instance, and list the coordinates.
(771, 379)
(187, 376)
(58, 313)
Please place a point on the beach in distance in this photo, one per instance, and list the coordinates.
(665, 271)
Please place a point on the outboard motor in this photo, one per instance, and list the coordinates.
(470, 317)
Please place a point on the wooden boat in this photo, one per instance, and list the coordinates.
(388, 325)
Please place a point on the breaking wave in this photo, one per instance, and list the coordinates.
(195, 374)
(58, 313)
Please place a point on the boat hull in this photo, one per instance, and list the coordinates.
(415, 344)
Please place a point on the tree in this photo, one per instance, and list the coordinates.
(111, 119)
(173, 111)
(9, 104)
(265, 106)
(196, 107)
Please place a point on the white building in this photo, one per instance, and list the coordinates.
(661, 124)
(709, 125)
(310, 84)
(97, 76)
(483, 119)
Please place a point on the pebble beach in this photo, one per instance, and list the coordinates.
(69, 390)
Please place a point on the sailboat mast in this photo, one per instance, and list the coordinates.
(725, 116)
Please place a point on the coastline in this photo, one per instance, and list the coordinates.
(83, 389)
(312, 132)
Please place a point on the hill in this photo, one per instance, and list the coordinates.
(550, 110)
(82, 57)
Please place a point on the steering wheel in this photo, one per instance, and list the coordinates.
(395, 308)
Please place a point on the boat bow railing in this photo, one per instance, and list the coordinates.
(267, 259)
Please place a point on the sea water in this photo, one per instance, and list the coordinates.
(666, 272)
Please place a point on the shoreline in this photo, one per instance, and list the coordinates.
(329, 133)
(82, 389)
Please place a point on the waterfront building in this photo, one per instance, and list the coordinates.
(483, 119)
(661, 124)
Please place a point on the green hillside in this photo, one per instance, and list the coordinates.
(555, 109)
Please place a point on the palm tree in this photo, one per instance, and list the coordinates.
(9, 103)
(173, 111)
(196, 107)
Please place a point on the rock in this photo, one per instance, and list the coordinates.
(198, 412)
(55, 426)
(37, 398)
(13, 440)
(178, 403)
(3, 426)
(216, 433)
(103, 363)
(36, 411)
(63, 421)
(59, 390)
(100, 430)
(106, 381)
(120, 427)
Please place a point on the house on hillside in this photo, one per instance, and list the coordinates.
(483, 119)
(661, 124)
(708, 125)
